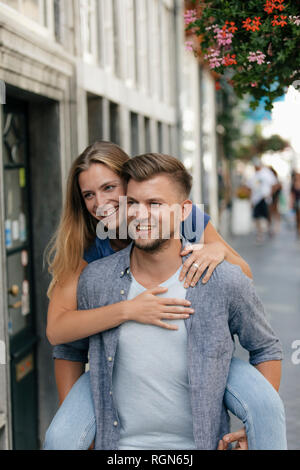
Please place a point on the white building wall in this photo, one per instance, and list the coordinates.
(136, 71)
(210, 148)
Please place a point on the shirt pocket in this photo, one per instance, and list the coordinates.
(216, 338)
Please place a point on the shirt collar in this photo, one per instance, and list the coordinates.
(124, 263)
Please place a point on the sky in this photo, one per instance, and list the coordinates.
(286, 120)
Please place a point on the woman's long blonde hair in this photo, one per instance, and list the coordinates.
(77, 227)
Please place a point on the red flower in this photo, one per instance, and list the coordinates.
(280, 7)
(252, 25)
(270, 5)
(247, 21)
(281, 22)
(229, 60)
(218, 86)
(247, 24)
(232, 28)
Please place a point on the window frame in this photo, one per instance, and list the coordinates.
(34, 26)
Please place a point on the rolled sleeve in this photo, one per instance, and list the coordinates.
(248, 321)
(76, 351)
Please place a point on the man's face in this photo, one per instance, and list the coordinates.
(155, 210)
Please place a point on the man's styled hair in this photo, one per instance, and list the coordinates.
(148, 165)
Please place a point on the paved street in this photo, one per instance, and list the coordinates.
(276, 271)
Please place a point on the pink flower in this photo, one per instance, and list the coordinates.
(223, 36)
(214, 63)
(254, 84)
(190, 16)
(257, 56)
(189, 46)
(213, 58)
(295, 20)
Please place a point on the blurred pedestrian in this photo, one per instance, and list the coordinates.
(295, 200)
(274, 205)
(261, 185)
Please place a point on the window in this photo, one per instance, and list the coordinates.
(88, 14)
(148, 46)
(57, 30)
(134, 125)
(141, 46)
(147, 135)
(167, 50)
(108, 35)
(114, 123)
(154, 48)
(95, 118)
(116, 29)
(39, 11)
(160, 136)
(136, 42)
(161, 48)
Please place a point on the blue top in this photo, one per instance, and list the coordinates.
(191, 229)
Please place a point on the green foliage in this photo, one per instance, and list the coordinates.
(256, 145)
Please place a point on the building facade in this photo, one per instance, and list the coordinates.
(72, 72)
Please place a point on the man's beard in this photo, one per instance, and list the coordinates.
(154, 246)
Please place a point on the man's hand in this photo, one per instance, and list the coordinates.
(240, 437)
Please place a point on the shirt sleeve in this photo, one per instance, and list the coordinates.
(193, 227)
(247, 319)
(76, 351)
(91, 253)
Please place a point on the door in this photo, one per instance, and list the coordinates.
(21, 322)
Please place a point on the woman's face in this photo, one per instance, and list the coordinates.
(101, 188)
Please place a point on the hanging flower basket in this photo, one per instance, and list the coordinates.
(258, 41)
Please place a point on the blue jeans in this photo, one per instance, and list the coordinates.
(248, 395)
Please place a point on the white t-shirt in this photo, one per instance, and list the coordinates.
(150, 381)
(261, 185)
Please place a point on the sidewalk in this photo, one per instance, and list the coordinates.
(276, 271)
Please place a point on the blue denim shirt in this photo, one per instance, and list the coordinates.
(226, 306)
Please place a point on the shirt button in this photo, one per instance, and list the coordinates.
(122, 292)
(110, 392)
(109, 358)
(122, 273)
(115, 423)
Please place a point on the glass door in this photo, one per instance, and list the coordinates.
(21, 325)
